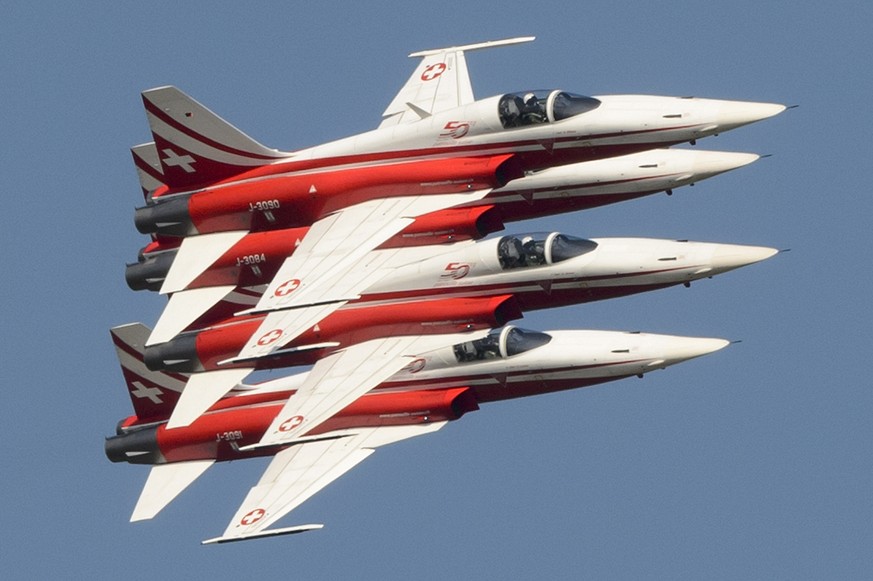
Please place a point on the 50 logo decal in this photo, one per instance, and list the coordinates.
(415, 366)
(456, 129)
(456, 271)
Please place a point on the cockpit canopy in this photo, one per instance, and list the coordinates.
(501, 343)
(532, 107)
(540, 248)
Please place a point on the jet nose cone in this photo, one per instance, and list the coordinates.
(710, 163)
(680, 349)
(730, 256)
(733, 114)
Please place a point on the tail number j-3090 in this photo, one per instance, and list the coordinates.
(264, 205)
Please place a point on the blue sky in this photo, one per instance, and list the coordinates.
(754, 462)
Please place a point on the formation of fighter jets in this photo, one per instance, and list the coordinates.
(366, 258)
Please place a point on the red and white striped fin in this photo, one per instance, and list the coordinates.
(197, 147)
(148, 168)
(154, 394)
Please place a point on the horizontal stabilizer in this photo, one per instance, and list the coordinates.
(262, 534)
(184, 308)
(166, 482)
(201, 392)
(196, 254)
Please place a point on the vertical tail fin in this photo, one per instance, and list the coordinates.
(440, 82)
(154, 394)
(148, 168)
(195, 146)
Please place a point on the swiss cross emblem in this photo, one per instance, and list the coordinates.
(143, 391)
(287, 287)
(433, 71)
(270, 337)
(253, 516)
(291, 423)
(173, 159)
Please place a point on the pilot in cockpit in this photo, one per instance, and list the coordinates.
(533, 251)
(533, 111)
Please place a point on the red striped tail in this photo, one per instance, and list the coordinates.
(195, 146)
(154, 394)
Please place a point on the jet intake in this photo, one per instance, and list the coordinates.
(508, 169)
(451, 225)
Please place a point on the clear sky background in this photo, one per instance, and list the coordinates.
(752, 463)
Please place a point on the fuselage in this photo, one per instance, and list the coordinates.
(473, 146)
(588, 128)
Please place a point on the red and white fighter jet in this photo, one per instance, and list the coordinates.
(435, 388)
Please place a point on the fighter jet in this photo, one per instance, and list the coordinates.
(472, 285)
(433, 389)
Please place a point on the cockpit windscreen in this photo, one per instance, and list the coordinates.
(534, 107)
(500, 343)
(540, 248)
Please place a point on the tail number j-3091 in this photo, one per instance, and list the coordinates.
(231, 436)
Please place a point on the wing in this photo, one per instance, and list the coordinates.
(185, 307)
(334, 263)
(339, 379)
(441, 82)
(298, 472)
